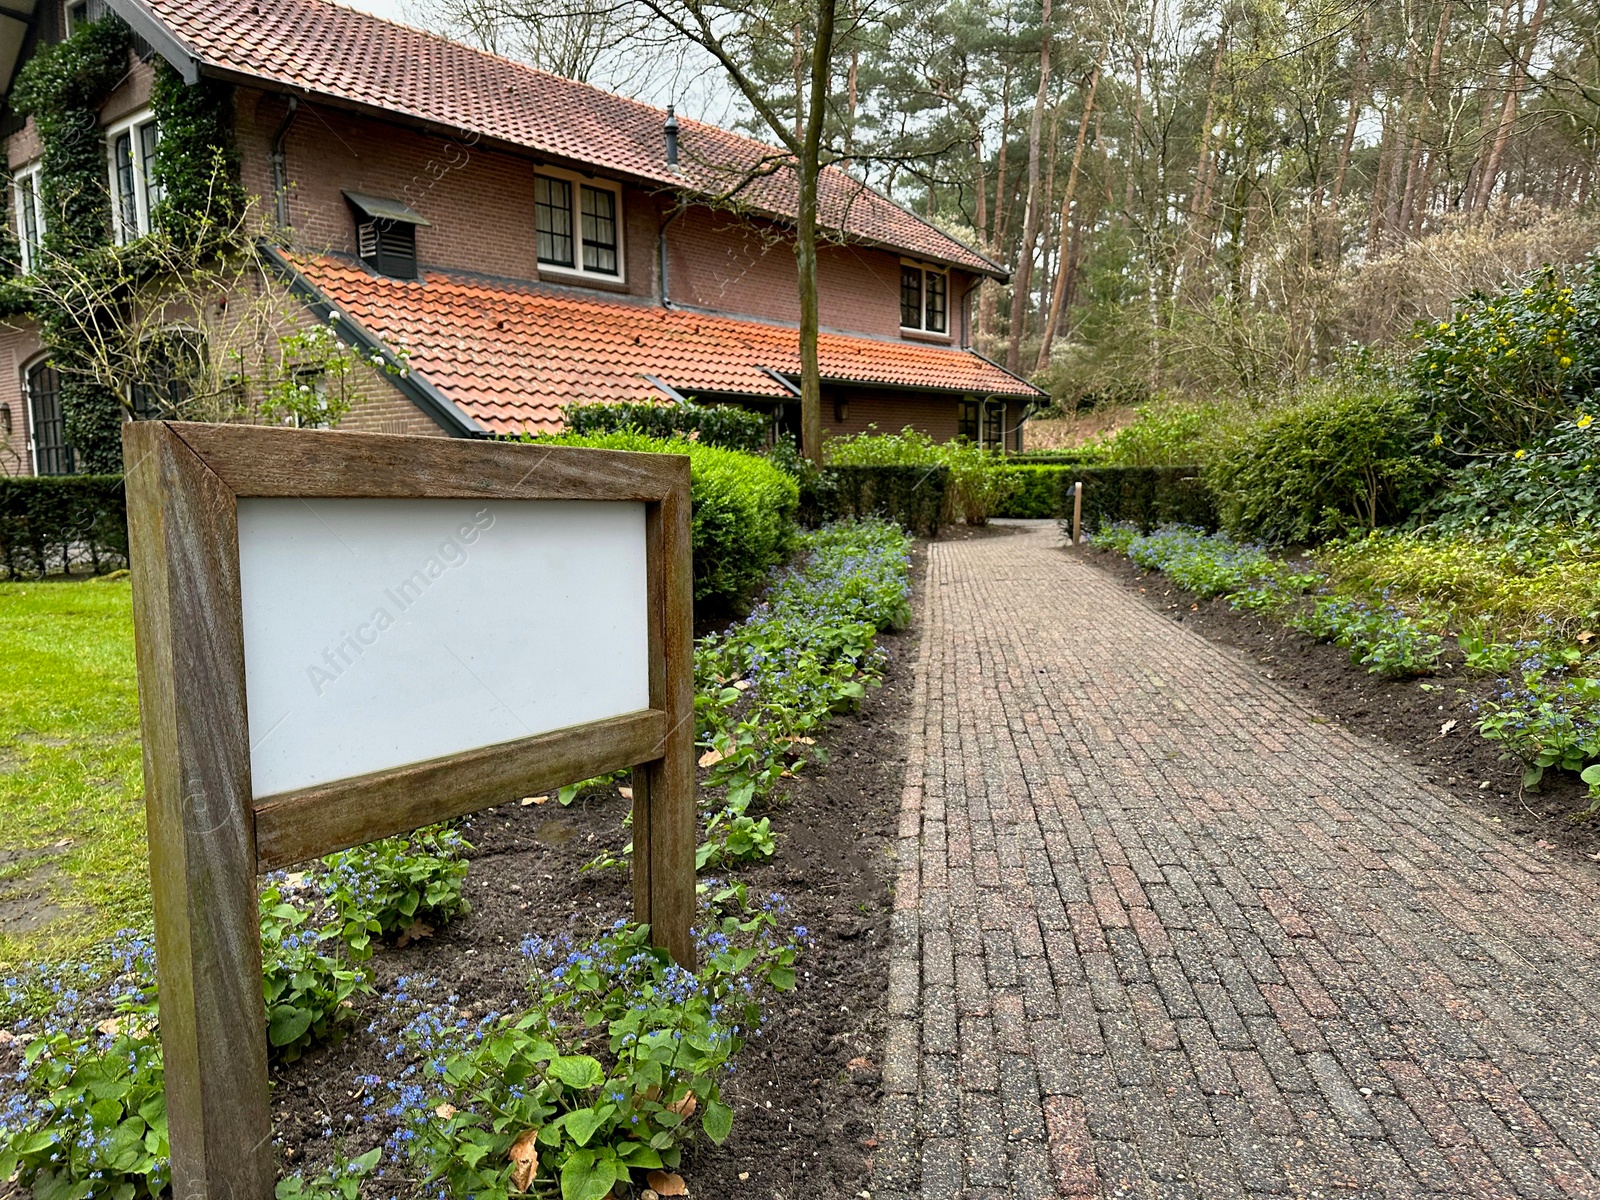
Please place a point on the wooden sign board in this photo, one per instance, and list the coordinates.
(347, 636)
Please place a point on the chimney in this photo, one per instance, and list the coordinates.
(671, 130)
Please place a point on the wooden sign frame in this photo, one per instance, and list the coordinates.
(209, 837)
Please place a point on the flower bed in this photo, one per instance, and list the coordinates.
(609, 1061)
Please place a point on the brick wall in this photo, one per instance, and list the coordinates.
(480, 205)
(892, 410)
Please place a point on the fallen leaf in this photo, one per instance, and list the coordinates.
(445, 1111)
(649, 1194)
(111, 1026)
(801, 741)
(666, 1183)
(711, 758)
(527, 800)
(7, 1037)
(685, 1107)
(859, 1064)
(1586, 637)
(1444, 730)
(417, 931)
(294, 879)
(742, 684)
(625, 792)
(743, 1175)
(525, 1155)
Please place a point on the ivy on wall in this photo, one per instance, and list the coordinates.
(63, 88)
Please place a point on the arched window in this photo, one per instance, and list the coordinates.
(51, 453)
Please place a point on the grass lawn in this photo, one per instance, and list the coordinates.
(72, 844)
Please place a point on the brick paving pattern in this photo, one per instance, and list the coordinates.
(1163, 931)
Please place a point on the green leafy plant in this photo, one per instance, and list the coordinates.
(341, 1180)
(389, 887)
(308, 992)
(1506, 367)
(1347, 456)
(980, 485)
(724, 425)
(613, 1068)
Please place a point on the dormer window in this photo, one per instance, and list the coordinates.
(135, 194)
(28, 203)
(386, 234)
(577, 225)
(924, 298)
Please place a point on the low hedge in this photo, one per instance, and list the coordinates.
(1038, 488)
(1141, 496)
(711, 425)
(744, 512)
(916, 497)
(53, 522)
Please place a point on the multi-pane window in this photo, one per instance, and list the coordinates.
(924, 298)
(577, 226)
(29, 205)
(599, 230)
(135, 193)
(967, 419)
(51, 453)
(994, 424)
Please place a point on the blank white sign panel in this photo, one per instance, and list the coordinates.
(384, 632)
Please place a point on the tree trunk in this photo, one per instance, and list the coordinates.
(1508, 110)
(1415, 181)
(805, 243)
(1063, 271)
(1022, 277)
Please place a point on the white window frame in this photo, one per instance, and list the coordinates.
(146, 193)
(577, 183)
(25, 183)
(921, 329)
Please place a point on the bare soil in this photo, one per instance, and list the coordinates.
(1430, 721)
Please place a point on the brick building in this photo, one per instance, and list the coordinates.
(521, 240)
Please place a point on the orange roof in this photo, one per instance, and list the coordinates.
(510, 355)
(329, 50)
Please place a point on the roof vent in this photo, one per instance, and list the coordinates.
(671, 130)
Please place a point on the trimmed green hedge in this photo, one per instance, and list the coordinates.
(744, 511)
(914, 496)
(1142, 496)
(1039, 488)
(50, 522)
(711, 425)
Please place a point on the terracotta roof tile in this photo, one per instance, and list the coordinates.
(511, 355)
(325, 48)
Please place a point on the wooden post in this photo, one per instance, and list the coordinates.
(664, 812)
(183, 550)
(1077, 514)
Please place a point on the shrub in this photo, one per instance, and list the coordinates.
(744, 509)
(1548, 720)
(1161, 436)
(1038, 490)
(48, 521)
(389, 887)
(1207, 564)
(1503, 369)
(1532, 496)
(1146, 497)
(1383, 638)
(723, 425)
(1346, 457)
(914, 497)
(979, 484)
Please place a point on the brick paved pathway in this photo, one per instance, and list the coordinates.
(1162, 931)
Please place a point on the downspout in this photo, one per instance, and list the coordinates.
(280, 173)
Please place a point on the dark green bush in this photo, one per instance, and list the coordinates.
(50, 522)
(1348, 457)
(1528, 496)
(1140, 496)
(712, 425)
(1038, 488)
(916, 497)
(744, 512)
(1505, 368)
